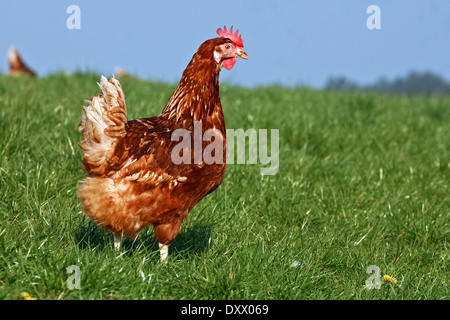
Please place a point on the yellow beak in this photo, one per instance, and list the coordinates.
(242, 54)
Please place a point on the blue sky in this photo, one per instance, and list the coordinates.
(288, 42)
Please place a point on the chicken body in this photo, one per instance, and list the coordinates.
(132, 180)
(17, 67)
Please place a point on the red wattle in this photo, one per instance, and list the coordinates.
(229, 63)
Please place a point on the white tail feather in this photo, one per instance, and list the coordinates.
(102, 125)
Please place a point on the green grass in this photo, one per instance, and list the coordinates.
(363, 180)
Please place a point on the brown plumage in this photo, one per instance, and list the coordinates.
(122, 74)
(132, 181)
(16, 65)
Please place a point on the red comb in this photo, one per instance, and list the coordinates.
(232, 36)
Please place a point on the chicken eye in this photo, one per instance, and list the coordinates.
(227, 46)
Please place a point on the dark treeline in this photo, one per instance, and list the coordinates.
(415, 83)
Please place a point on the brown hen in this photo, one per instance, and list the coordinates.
(16, 65)
(132, 179)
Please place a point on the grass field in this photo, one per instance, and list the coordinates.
(363, 180)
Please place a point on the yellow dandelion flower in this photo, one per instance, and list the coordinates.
(389, 279)
(27, 296)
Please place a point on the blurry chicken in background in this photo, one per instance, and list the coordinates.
(17, 67)
(132, 180)
(122, 74)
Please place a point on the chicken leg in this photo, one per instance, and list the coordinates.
(117, 241)
(164, 252)
(163, 248)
